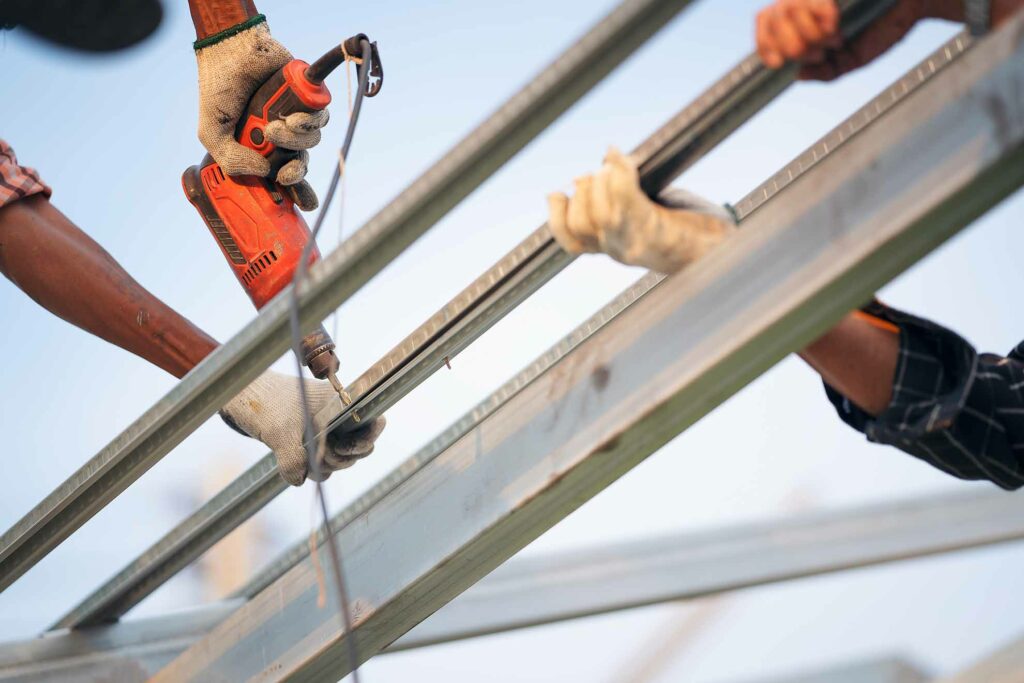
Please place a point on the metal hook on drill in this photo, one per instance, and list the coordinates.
(354, 47)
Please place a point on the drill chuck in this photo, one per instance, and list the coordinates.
(318, 353)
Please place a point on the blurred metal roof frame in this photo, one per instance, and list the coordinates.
(534, 591)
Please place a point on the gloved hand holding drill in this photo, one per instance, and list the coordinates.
(233, 64)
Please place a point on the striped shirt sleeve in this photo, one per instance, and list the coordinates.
(17, 181)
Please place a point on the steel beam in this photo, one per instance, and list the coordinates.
(331, 282)
(888, 670)
(944, 155)
(128, 652)
(679, 144)
(530, 592)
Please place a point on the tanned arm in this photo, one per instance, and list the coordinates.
(59, 266)
(953, 10)
(213, 16)
(858, 358)
(807, 31)
(73, 277)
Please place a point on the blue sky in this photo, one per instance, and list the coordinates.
(112, 136)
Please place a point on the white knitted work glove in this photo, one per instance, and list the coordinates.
(270, 409)
(610, 213)
(230, 71)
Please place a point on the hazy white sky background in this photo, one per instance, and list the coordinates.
(112, 135)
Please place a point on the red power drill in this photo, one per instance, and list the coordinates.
(258, 228)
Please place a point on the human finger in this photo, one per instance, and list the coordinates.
(788, 39)
(805, 23)
(765, 40)
(558, 208)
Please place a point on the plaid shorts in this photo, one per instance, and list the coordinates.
(16, 181)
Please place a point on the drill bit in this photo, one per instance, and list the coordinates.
(336, 383)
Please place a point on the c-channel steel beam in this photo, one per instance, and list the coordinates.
(529, 592)
(675, 147)
(887, 670)
(944, 155)
(544, 590)
(828, 144)
(128, 652)
(331, 282)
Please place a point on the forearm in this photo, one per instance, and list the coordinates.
(953, 10)
(214, 16)
(858, 358)
(916, 385)
(73, 277)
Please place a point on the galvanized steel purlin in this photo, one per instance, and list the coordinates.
(818, 151)
(249, 493)
(625, 391)
(125, 652)
(569, 585)
(590, 581)
(669, 151)
(856, 122)
(332, 281)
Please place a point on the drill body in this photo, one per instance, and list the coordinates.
(257, 225)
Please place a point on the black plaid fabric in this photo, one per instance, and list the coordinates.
(956, 409)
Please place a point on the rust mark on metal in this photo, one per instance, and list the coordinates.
(997, 113)
(609, 445)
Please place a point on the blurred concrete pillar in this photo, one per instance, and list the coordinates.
(230, 563)
(1005, 665)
